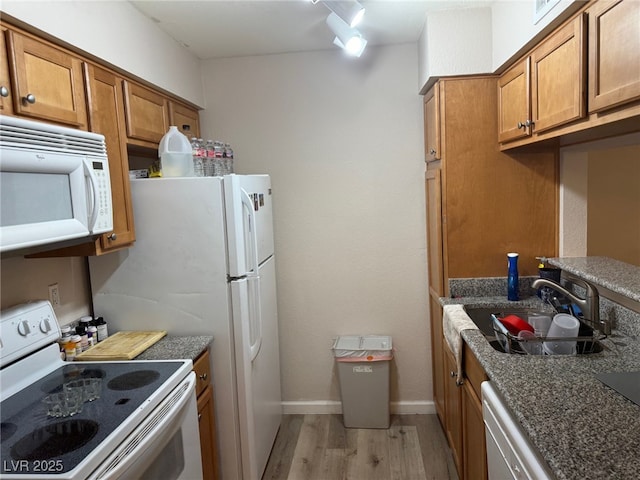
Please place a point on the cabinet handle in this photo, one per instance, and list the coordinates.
(199, 416)
(432, 152)
(113, 236)
(4, 91)
(527, 123)
(452, 374)
(204, 376)
(30, 98)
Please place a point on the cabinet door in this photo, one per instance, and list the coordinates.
(473, 437)
(432, 124)
(558, 77)
(5, 81)
(208, 447)
(202, 368)
(514, 102)
(433, 193)
(147, 115)
(106, 116)
(437, 360)
(453, 409)
(614, 61)
(46, 82)
(186, 119)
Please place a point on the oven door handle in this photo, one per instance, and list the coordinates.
(165, 418)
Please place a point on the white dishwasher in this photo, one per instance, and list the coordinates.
(509, 453)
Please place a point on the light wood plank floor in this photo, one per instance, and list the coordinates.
(318, 447)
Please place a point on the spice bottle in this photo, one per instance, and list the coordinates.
(101, 325)
(92, 335)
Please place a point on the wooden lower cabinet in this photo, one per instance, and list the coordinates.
(474, 446)
(206, 417)
(437, 357)
(463, 422)
(206, 422)
(453, 409)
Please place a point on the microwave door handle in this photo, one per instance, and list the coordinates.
(91, 177)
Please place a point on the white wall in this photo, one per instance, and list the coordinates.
(464, 41)
(117, 33)
(342, 140)
(455, 42)
(514, 25)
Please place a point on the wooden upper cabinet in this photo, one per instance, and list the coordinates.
(186, 119)
(558, 83)
(432, 124)
(106, 116)
(514, 102)
(46, 82)
(5, 81)
(614, 58)
(147, 115)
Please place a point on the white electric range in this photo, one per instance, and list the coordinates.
(143, 425)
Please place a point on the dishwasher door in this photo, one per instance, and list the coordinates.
(509, 453)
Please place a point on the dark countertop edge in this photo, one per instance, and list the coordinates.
(523, 378)
(173, 347)
(619, 277)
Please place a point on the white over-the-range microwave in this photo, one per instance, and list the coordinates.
(54, 184)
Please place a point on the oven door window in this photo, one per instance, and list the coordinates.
(169, 464)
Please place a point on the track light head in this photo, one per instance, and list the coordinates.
(351, 12)
(347, 38)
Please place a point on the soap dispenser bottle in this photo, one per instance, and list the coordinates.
(512, 277)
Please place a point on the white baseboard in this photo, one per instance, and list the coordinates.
(328, 407)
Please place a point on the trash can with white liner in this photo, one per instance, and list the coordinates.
(363, 371)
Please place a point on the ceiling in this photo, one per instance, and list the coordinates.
(232, 28)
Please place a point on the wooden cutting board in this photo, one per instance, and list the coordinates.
(122, 346)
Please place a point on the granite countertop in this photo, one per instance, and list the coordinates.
(581, 427)
(619, 277)
(176, 348)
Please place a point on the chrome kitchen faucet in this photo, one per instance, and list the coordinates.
(590, 305)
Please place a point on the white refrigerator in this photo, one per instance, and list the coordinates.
(203, 264)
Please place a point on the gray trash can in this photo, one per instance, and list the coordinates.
(363, 371)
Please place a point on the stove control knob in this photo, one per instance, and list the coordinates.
(23, 328)
(45, 326)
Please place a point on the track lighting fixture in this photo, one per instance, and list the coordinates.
(347, 38)
(351, 12)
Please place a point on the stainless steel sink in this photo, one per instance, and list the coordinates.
(587, 342)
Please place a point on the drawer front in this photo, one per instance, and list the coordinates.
(203, 372)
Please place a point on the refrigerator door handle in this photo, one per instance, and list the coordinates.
(253, 276)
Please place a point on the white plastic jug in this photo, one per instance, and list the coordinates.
(175, 154)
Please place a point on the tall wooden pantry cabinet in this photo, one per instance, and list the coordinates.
(481, 204)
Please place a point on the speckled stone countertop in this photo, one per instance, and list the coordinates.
(582, 428)
(176, 348)
(619, 277)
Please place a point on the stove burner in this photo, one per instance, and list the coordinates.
(7, 430)
(68, 374)
(54, 440)
(133, 380)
